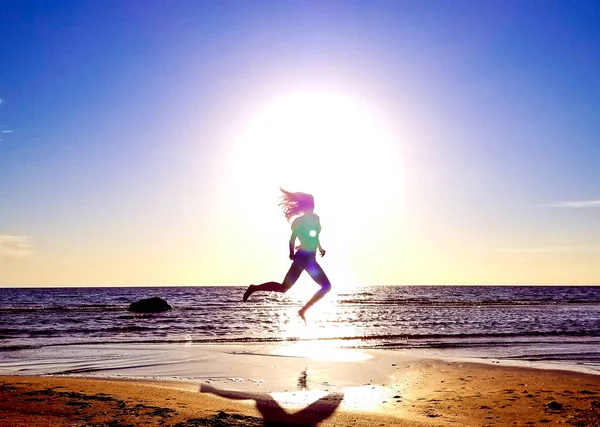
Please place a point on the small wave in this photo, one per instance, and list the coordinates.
(44, 332)
(459, 303)
(370, 341)
(29, 309)
(18, 347)
(10, 333)
(589, 357)
(343, 299)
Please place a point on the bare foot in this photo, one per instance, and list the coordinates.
(301, 314)
(249, 292)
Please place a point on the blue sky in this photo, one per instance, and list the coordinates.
(118, 120)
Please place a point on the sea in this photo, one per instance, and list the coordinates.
(550, 324)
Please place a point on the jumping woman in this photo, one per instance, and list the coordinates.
(306, 228)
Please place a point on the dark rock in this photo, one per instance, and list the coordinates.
(554, 405)
(150, 305)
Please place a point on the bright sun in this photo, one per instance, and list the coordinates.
(327, 144)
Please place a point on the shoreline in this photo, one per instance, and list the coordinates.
(254, 385)
(177, 360)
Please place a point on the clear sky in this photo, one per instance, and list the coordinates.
(144, 142)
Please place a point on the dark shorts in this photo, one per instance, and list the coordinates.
(304, 257)
(305, 260)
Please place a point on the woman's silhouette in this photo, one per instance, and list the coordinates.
(306, 227)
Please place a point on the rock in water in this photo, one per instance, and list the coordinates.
(554, 405)
(150, 305)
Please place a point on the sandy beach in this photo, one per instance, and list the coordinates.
(284, 387)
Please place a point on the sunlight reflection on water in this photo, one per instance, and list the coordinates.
(320, 350)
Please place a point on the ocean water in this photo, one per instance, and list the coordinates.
(559, 324)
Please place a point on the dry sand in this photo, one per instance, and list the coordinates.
(407, 392)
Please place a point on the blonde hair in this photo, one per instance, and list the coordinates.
(293, 204)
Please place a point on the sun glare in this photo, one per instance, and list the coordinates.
(320, 350)
(327, 144)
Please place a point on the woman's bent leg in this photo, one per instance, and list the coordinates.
(319, 276)
(289, 280)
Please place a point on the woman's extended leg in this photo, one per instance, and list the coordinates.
(289, 280)
(319, 276)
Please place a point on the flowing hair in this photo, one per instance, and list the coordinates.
(293, 204)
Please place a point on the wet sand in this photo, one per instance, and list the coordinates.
(385, 389)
